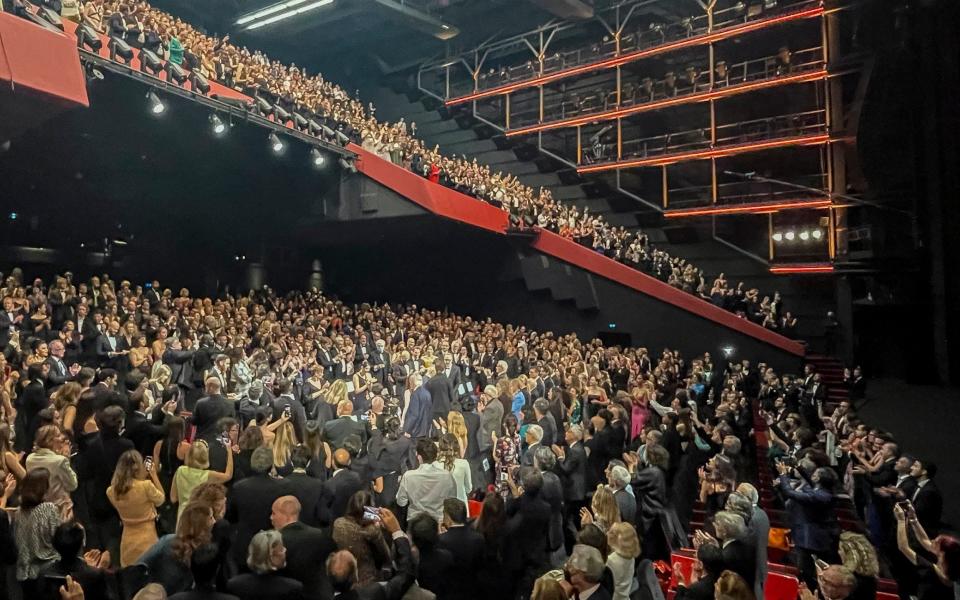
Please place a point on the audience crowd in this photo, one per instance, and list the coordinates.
(262, 446)
(291, 87)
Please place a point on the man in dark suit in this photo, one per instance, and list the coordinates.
(441, 391)
(287, 404)
(335, 432)
(738, 556)
(11, 322)
(927, 499)
(337, 490)
(541, 411)
(572, 464)
(143, 429)
(59, 372)
(811, 511)
(380, 362)
(307, 549)
(250, 502)
(418, 422)
(327, 359)
(29, 403)
(342, 568)
(86, 327)
(466, 545)
(101, 457)
(528, 524)
(708, 567)
(307, 490)
(211, 408)
(179, 357)
(112, 348)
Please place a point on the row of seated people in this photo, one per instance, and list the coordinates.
(143, 26)
(265, 446)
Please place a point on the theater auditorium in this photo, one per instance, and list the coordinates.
(479, 299)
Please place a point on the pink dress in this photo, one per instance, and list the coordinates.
(638, 417)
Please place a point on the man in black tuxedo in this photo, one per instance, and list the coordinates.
(380, 362)
(179, 357)
(86, 328)
(466, 545)
(335, 432)
(29, 403)
(441, 391)
(927, 499)
(337, 490)
(286, 404)
(572, 464)
(112, 349)
(211, 408)
(738, 556)
(342, 568)
(327, 358)
(145, 429)
(59, 372)
(307, 490)
(528, 523)
(541, 411)
(307, 548)
(250, 502)
(708, 567)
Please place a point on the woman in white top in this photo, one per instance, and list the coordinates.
(624, 549)
(449, 458)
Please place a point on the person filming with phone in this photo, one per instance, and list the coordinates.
(810, 504)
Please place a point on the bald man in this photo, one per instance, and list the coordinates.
(307, 548)
(342, 568)
(337, 490)
(336, 431)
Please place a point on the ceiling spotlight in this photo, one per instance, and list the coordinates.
(176, 74)
(157, 106)
(282, 115)
(317, 157)
(217, 124)
(804, 235)
(120, 49)
(790, 235)
(263, 107)
(740, 7)
(817, 234)
(199, 83)
(275, 143)
(769, 4)
(778, 237)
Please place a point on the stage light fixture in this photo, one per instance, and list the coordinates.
(769, 4)
(778, 237)
(263, 107)
(348, 164)
(217, 125)
(300, 123)
(276, 144)
(790, 235)
(282, 115)
(740, 7)
(343, 139)
(87, 37)
(120, 49)
(804, 235)
(176, 74)
(817, 234)
(199, 83)
(51, 16)
(157, 106)
(93, 73)
(149, 61)
(317, 158)
(314, 128)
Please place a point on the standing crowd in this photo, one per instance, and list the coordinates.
(252, 72)
(265, 446)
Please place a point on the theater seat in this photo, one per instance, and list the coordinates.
(780, 586)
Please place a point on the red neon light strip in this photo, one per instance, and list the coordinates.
(747, 207)
(802, 268)
(668, 159)
(699, 40)
(726, 92)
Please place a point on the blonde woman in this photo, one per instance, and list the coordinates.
(281, 446)
(448, 457)
(52, 452)
(135, 492)
(196, 470)
(859, 555)
(458, 428)
(624, 549)
(603, 511)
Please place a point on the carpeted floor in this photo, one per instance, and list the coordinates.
(926, 422)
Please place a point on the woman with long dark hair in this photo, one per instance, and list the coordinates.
(168, 456)
(391, 455)
(168, 561)
(491, 525)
